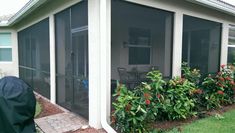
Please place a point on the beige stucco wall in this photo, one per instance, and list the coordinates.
(11, 68)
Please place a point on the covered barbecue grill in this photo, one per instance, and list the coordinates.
(17, 106)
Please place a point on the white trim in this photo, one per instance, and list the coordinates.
(224, 43)
(217, 5)
(6, 62)
(105, 63)
(177, 44)
(94, 64)
(5, 46)
(231, 46)
(52, 59)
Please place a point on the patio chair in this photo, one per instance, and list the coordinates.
(128, 78)
(154, 68)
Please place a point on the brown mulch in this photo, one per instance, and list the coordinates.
(165, 125)
(47, 108)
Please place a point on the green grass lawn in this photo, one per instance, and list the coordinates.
(211, 125)
(38, 109)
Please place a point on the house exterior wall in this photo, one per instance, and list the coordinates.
(100, 44)
(11, 68)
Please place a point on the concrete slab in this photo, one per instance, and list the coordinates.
(60, 123)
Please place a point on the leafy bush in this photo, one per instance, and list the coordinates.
(131, 112)
(134, 109)
(193, 75)
(156, 88)
(178, 103)
(220, 88)
(178, 98)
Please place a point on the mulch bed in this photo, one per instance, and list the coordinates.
(166, 125)
(47, 108)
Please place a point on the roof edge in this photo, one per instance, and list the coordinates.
(217, 5)
(33, 4)
(24, 11)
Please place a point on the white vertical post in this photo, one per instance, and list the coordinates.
(224, 43)
(52, 59)
(105, 63)
(177, 44)
(105, 56)
(94, 63)
(15, 49)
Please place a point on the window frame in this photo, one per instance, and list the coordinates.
(7, 47)
(230, 45)
(137, 44)
(231, 27)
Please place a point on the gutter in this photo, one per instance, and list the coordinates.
(215, 4)
(104, 40)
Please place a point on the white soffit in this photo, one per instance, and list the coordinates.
(217, 5)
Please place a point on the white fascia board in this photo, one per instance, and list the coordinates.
(27, 9)
(217, 5)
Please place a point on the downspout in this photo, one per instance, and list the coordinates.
(105, 56)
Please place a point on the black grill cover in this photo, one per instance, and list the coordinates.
(17, 106)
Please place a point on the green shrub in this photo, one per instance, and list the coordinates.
(179, 98)
(193, 75)
(178, 103)
(226, 79)
(135, 109)
(156, 88)
(219, 89)
(131, 111)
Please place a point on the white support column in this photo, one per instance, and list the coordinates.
(177, 44)
(52, 59)
(94, 63)
(224, 43)
(105, 56)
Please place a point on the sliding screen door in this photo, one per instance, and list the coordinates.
(72, 58)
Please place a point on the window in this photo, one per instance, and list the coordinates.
(141, 39)
(201, 44)
(231, 45)
(5, 47)
(139, 46)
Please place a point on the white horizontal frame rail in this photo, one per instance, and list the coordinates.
(231, 46)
